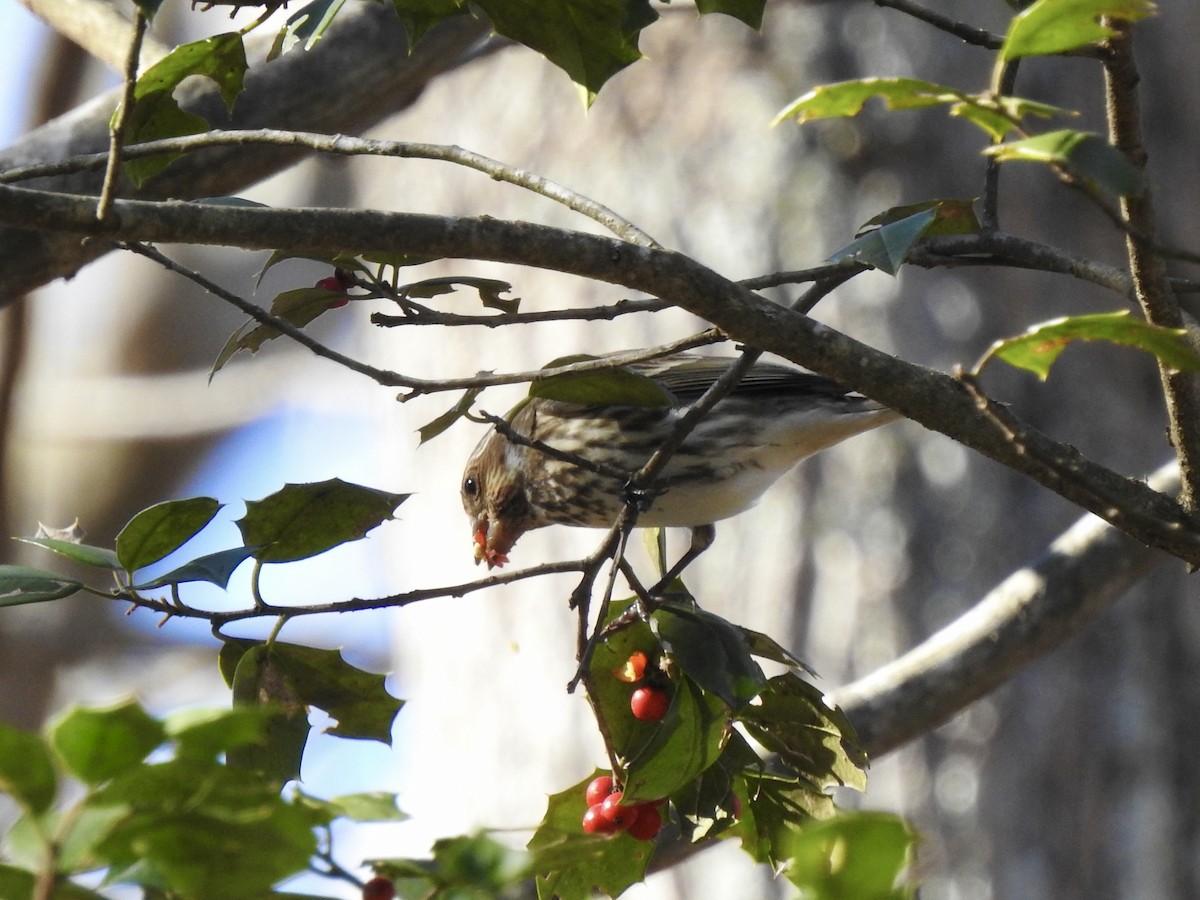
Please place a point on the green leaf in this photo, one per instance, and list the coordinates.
(26, 772)
(886, 248)
(774, 810)
(684, 743)
(951, 216)
(260, 683)
(220, 57)
(214, 568)
(163, 528)
(1086, 155)
(21, 584)
(418, 16)
(766, 647)
(306, 26)
(489, 290)
(590, 40)
(995, 115)
(15, 882)
(430, 430)
(854, 854)
(1056, 26)
(297, 307)
(617, 386)
(186, 813)
(1038, 348)
(572, 865)
(710, 651)
(99, 557)
(747, 11)
(303, 520)
(156, 114)
(98, 744)
(793, 719)
(207, 733)
(358, 700)
(372, 806)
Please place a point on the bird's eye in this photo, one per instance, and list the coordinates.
(471, 486)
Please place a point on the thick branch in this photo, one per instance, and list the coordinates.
(1146, 264)
(99, 28)
(935, 400)
(1025, 617)
(357, 74)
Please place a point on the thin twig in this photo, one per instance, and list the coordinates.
(116, 133)
(343, 145)
(969, 34)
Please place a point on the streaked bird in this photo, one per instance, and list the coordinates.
(775, 417)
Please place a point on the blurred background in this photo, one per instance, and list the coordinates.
(1076, 780)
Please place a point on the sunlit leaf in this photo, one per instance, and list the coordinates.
(1087, 155)
(1037, 349)
(489, 290)
(1056, 26)
(99, 557)
(853, 854)
(98, 744)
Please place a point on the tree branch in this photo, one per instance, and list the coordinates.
(936, 400)
(1029, 614)
(1146, 265)
(356, 75)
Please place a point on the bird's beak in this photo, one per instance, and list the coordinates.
(492, 543)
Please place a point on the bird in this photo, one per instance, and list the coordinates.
(776, 416)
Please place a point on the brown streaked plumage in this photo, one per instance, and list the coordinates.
(775, 417)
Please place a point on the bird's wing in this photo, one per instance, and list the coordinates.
(688, 376)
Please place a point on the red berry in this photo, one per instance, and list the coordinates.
(379, 888)
(649, 704)
(598, 789)
(595, 822)
(619, 817)
(633, 669)
(648, 822)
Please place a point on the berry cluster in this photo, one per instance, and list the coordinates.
(606, 815)
(647, 703)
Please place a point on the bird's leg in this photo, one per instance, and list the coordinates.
(702, 538)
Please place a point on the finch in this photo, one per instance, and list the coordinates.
(775, 417)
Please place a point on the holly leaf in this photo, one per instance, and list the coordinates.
(1087, 155)
(1057, 26)
(590, 40)
(616, 386)
(213, 568)
(22, 584)
(98, 744)
(26, 771)
(710, 651)
(430, 430)
(748, 11)
(161, 529)
(886, 248)
(489, 290)
(155, 112)
(853, 854)
(1037, 349)
(97, 557)
(572, 865)
(303, 520)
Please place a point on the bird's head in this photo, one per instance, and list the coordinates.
(494, 497)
